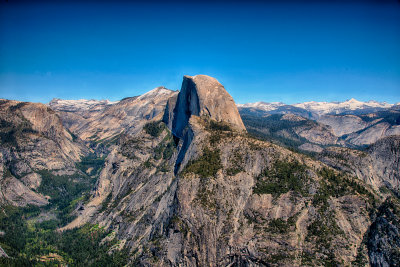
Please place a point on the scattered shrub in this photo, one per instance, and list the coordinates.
(281, 178)
(154, 128)
(207, 165)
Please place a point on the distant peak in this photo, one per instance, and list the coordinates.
(54, 100)
(353, 100)
(161, 90)
(81, 104)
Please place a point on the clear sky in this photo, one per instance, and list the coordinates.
(288, 51)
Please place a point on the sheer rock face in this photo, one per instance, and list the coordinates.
(377, 166)
(202, 95)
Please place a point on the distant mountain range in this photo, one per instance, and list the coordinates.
(79, 105)
(320, 108)
(351, 123)
(351, 106)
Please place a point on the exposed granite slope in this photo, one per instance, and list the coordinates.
(107, 122)
(33, 139)
(378, 165)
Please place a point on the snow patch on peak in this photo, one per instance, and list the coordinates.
(353, 100)
(322, 108)
(262, 105)
(338, 107)
(156, 92)
(79, 105)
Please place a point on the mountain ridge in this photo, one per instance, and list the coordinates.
(322, 108)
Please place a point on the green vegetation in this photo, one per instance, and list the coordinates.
(165, 167)
(91, 161)
(390, 116)
(236, 164)
(207, 165)
(337, 185)
(17, 106)
(321, 232)
(281, 226)
(280, 257)
(129, 147)
(11, 131)
(147, 164)
(74, 137)
(105, 142)
(154, 128)
(30, 243)
(166, 148)
(31, 238)
(213, 125)
(269, 128)
(218, 129)
(361, 258)
(63, 190)
(205, 196)
(282, 177)
(106, 202)
(324, 229)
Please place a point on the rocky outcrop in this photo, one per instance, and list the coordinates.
(316, 133)
(383, 239)
(129, 115)
(33, 139)
(311, 147)
(343, 124)
(169, 111)
(202, 95)
(385, 154)
(378, 165)
(373, 133)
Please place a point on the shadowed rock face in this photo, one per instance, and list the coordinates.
(202, 95)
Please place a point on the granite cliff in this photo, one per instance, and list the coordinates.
(203, 95)
(196, 190)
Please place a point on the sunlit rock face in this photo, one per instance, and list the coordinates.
(202, 95)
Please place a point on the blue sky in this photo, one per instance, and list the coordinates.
(260, 51)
